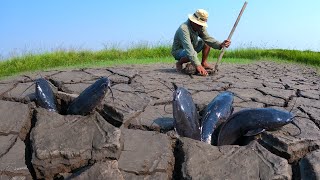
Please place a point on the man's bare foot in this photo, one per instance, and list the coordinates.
(178, 66)
(207, 66)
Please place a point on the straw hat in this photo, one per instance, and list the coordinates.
(199, 17)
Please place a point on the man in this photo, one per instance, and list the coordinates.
(186, 44)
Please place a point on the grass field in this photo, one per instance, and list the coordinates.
(143, 55)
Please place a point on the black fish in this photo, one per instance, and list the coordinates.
(89, 98)
(44, 95)
(185, 115)
(251, 122)
(217, 111)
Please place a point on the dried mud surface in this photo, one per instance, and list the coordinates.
(132, 136)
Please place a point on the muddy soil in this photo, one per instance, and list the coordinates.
(131, 136)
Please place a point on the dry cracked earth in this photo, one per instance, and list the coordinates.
(132, 137)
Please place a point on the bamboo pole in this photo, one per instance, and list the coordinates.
(230, 35)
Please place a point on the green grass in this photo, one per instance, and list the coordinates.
(143, 54)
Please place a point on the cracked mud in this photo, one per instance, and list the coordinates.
(132, 137)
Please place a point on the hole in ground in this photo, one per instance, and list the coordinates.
(28, 148)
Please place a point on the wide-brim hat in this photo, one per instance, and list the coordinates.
(200, 17)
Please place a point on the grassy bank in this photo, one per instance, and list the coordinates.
(142, 55)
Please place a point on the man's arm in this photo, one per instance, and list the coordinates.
(209, 40)
(213, 42)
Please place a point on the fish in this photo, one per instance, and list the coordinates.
(217, 112)
(44, 95)
(90, 98)
(253, 121)
(186, 118)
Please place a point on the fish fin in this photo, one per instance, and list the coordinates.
(32, 97)
(254, 132)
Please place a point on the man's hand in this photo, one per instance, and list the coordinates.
(201, 70)
(225, 43)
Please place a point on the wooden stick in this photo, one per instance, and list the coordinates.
(230, 35)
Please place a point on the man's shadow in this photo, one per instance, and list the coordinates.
(168, 70)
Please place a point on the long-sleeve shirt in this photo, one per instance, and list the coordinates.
(186, 38)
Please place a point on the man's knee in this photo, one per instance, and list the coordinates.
(201, 45)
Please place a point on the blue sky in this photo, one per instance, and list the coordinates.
(37, 26)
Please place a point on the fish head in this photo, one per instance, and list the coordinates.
(286, 117)
(105, 82)
(41, 84)
(174, 86)
(40, 81)
(179, 93)
(280, 118)
(103, 85)
(228, 93)
(176, 94)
